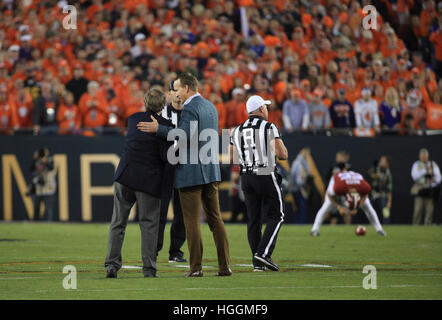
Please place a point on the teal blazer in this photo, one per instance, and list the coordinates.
(203, 113)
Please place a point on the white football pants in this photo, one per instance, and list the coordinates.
(366, 207)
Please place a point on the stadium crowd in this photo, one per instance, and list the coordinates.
(313, 59)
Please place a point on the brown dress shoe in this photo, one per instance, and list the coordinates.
(194, 274)
(224, 273)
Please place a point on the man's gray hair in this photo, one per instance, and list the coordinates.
(155, 100)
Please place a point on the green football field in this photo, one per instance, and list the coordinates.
(408, 264)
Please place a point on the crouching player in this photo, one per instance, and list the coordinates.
(354, 191)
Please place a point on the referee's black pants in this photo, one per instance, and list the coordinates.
(263, 197)
(177, 228)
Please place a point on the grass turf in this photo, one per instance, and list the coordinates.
(408, 263)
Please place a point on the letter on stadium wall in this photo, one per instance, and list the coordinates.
(10, 165)
(61, 167)
(87, 191)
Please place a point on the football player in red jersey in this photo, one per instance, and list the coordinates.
(352, 186)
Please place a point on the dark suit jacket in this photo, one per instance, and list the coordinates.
(144, 159)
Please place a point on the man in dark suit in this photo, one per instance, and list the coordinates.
(197, 182)
(139, 178)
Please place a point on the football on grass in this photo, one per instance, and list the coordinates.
(360, 230)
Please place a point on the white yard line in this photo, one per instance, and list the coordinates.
(239, 288)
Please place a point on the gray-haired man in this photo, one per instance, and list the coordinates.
(139, 178)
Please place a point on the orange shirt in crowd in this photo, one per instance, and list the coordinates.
(68, 118)
(388, 51)
(241, 114)
(279, 91)
(353, 96)
(419, 115)
(226, 83)
(93, 110)
(368, 47)
(222, 115)
(233, 108)
(300, 48)
(132, 105)
(395, 75)
(434, 116)
(275, 117)
(425, 22)
(24, 107)
(8, 117)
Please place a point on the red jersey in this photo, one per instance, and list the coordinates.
(346, 180)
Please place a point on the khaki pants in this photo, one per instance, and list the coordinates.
(422, 205)
(191, 199)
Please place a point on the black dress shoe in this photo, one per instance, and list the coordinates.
(177, 259)
(111, 273)
(150, 275)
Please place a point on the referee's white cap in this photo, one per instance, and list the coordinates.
(255, 102)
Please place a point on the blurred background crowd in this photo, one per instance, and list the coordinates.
(313, 59)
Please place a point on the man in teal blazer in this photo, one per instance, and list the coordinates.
(197, 174)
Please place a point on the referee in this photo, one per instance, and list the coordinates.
(256, 142)
(172, 112)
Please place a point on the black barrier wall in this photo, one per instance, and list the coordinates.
(85, 169)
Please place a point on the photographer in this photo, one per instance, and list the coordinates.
(43, 185)
(427, 178)
(301, 182)
(382, 188)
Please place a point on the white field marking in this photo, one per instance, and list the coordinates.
(312, 265)
(242, 288)
(131, 267)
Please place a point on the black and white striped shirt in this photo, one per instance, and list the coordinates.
(252, 142)
(171, 114)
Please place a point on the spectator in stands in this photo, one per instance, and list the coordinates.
(414, 103)
(78, 84)
(341, 111)
(45, 111)
(407, 127)
(23, 104)
(8, 117)
(235, 108)
(434, 112)
(426, 188)
(93, 108)
(319, 114)
(436, 40)
(391, 110)
(305, 46)
(68, 116)
(295, 113)
(366, 112)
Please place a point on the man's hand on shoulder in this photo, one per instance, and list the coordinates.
(148, 127)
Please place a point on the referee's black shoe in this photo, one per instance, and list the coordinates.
(111, 273)
(268, 262)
